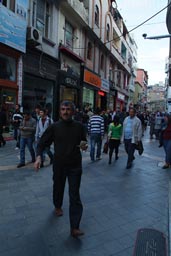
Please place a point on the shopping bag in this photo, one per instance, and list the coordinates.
(106, 147)
(139, 147)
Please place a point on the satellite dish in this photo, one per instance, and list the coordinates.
(114, 5)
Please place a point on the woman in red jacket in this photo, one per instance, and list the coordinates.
(167, 141)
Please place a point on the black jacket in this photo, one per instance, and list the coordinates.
(66, 137)
(3, 118)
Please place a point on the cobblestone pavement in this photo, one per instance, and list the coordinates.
(117, 202)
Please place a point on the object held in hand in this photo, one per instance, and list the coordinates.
(83, 145)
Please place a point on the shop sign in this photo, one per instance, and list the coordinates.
(13, 25)
(9, 100)
(7, 68)
(70, 81)
(121, 96)
(92, 79)
(105, 85)
(20, 81)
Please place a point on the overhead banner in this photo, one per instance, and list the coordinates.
(13, 25)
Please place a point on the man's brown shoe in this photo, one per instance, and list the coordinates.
(59, 212)
(76, 232)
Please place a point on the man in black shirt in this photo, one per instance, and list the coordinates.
(69, 137)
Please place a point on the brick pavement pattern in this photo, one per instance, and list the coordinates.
(117, 202)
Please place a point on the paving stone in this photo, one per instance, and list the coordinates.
(117, 202)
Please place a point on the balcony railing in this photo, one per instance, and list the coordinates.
(79, 8)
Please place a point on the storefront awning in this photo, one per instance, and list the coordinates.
(71, 53)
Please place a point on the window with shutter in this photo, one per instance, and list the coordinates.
(69, 34)
(40, 15)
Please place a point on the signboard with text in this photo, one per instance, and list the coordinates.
(92, 78)
(105, 85)
(13, 25)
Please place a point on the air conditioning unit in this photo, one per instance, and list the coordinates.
(34, 36)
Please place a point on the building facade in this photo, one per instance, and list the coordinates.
(156, 98)
(141, 82)
(78, 50)
(12, 48)
(168, 23)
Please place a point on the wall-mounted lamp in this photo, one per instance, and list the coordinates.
(156, 37)
(114, 4)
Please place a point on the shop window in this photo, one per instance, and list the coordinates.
(68, 94)
(96, 15)
(69, 35)
(7, 68)
(89, 51)
(88, 98)
(33, 94)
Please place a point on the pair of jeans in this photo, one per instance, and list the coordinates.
(17, 136)
(95, 138)
(74, 179)
(29, 143)
(167, 148)
(130, 149)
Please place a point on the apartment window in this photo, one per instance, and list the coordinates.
(123, 51)
(102, 62)
(12, 6)
(108, 32)
(97, 15)
(69, 34)
(42, 11)
(118, 82)
(9, 4)
(89, 51)
(4, 2)
(47, 20)
(40, 24)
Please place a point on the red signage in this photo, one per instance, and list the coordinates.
(101, 93)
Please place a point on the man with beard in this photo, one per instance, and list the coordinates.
(69, 137)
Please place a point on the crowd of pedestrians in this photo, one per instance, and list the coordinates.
(70, 135)
(118, 126)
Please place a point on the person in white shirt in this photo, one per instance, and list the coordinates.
(132, 135)
(42, 124)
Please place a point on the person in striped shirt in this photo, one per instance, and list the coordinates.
(96, 132)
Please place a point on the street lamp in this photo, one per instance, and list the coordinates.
(156, 37)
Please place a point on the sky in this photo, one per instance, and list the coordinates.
(151, 54)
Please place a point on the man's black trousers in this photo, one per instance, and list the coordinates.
(74, 179)
(130, 149)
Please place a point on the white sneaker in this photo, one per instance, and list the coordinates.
(16, 148)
